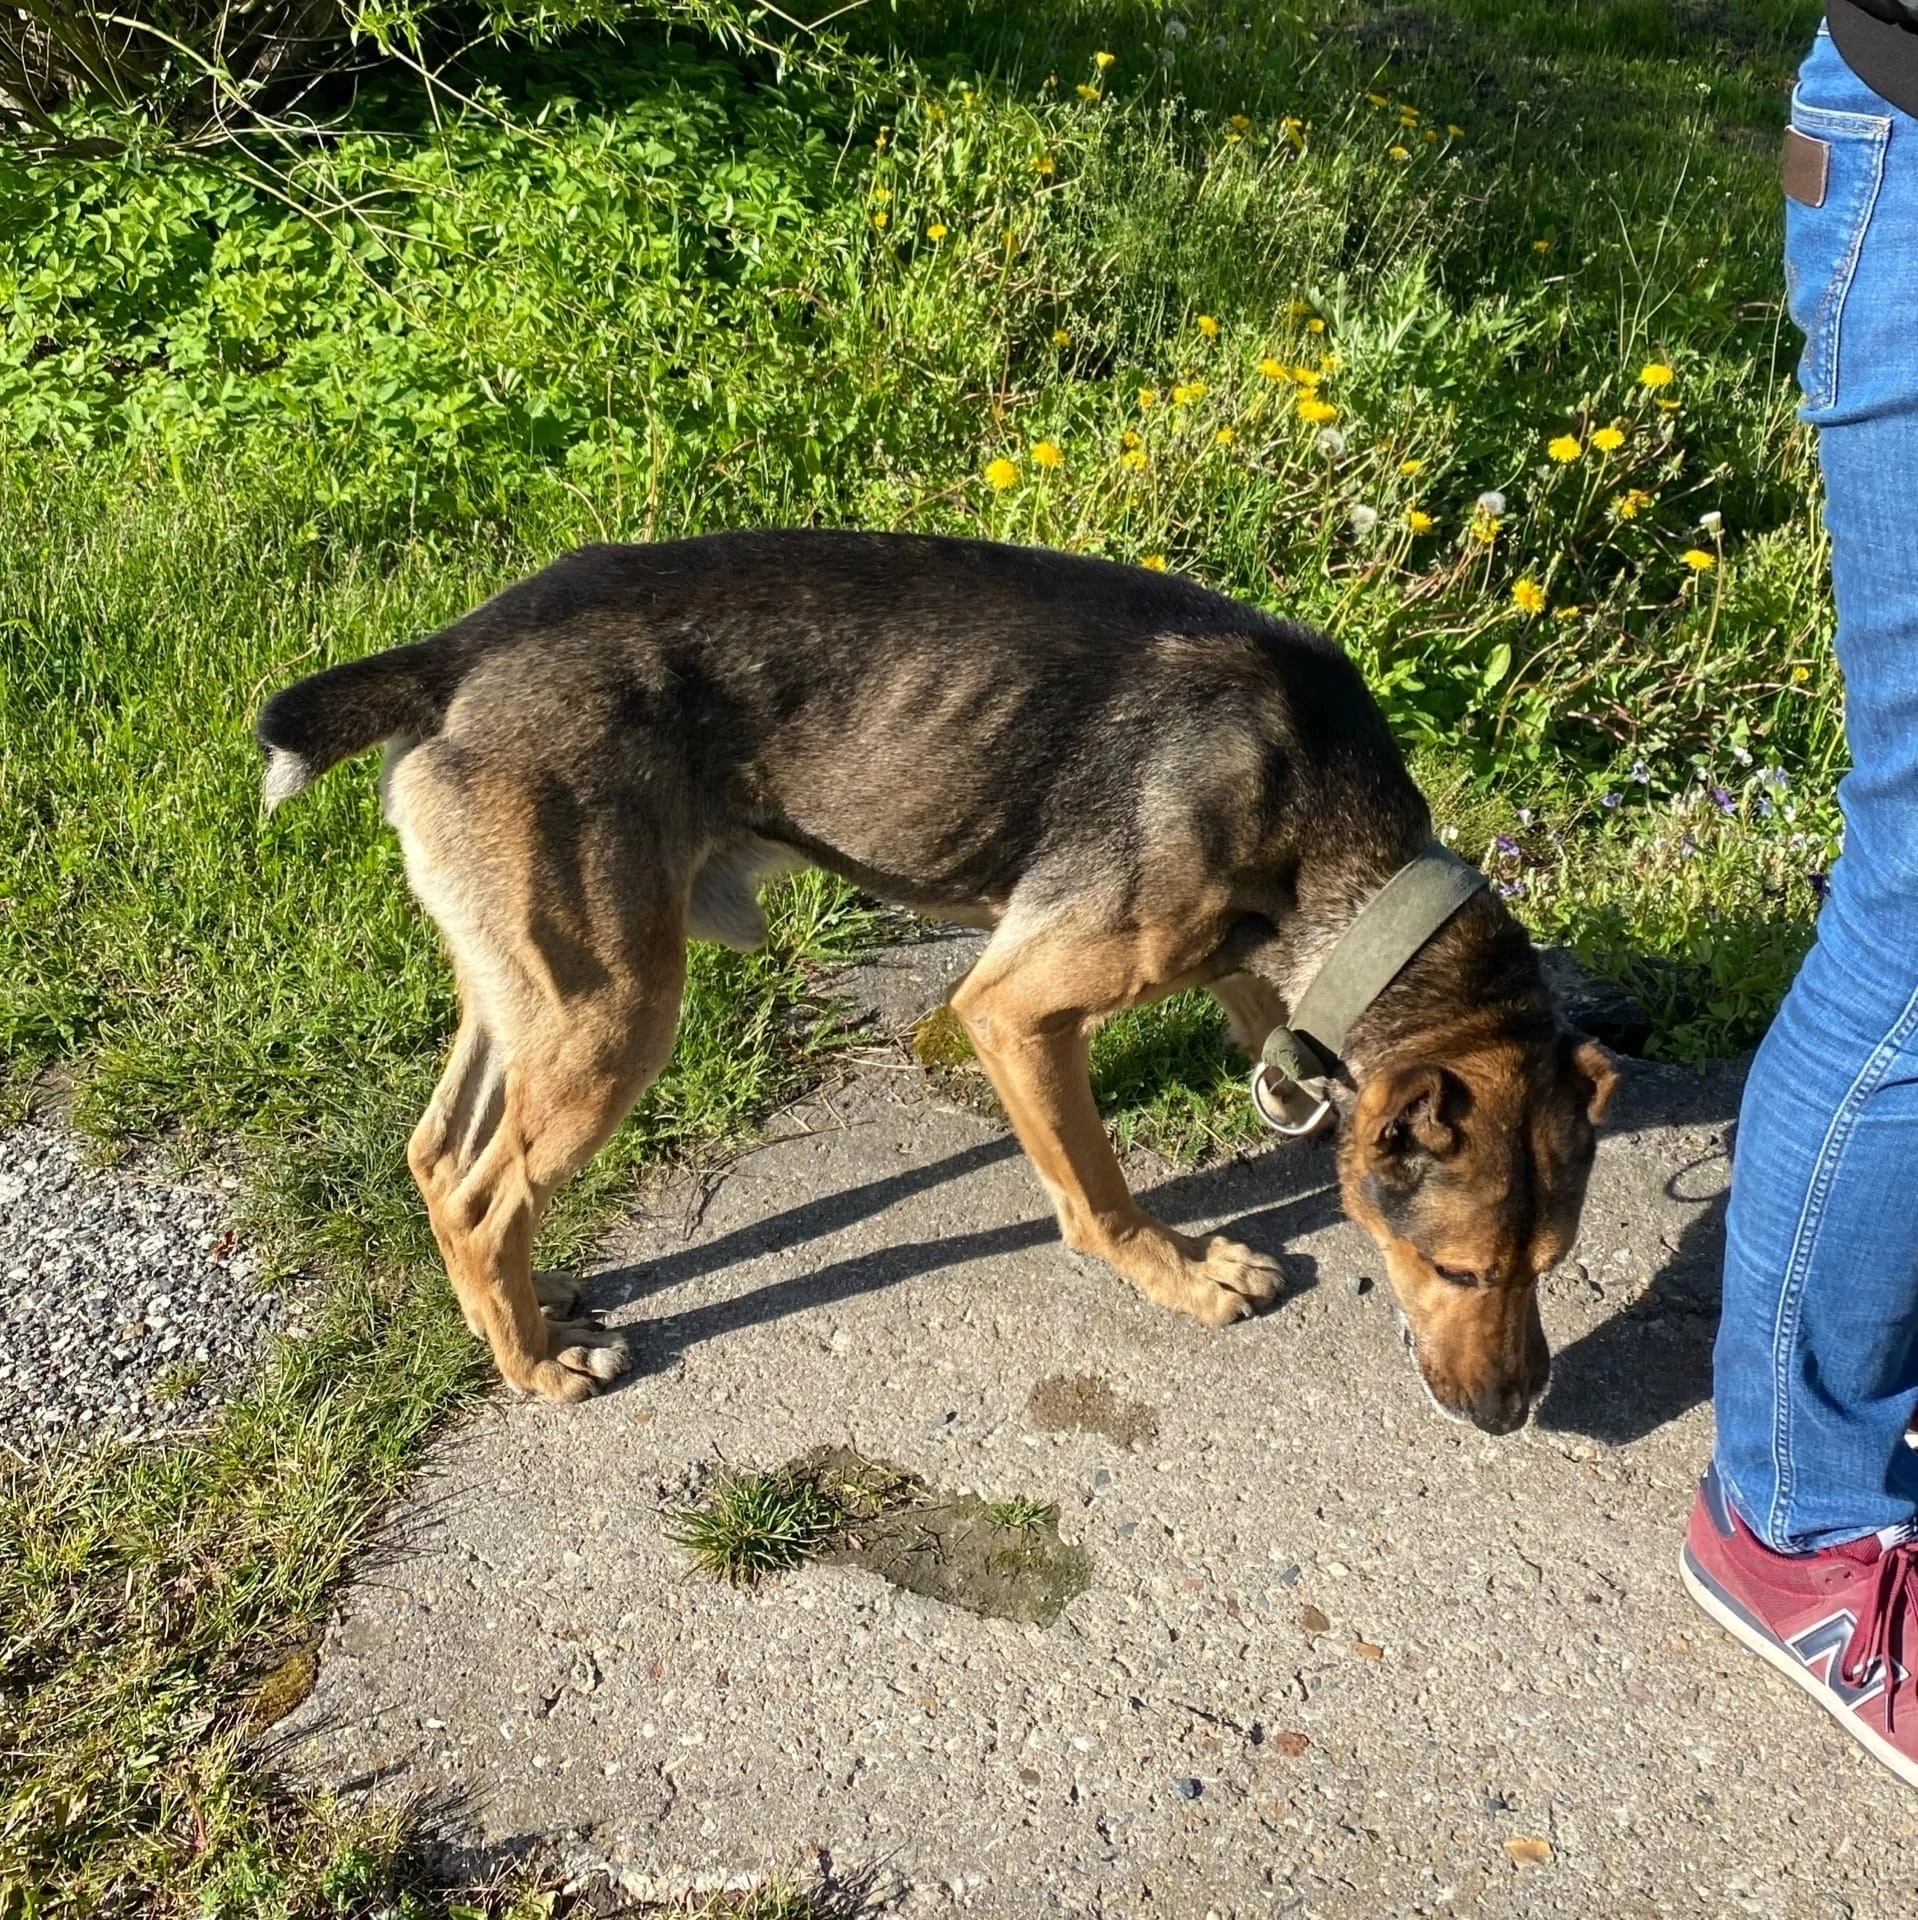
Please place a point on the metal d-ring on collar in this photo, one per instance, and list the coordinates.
(1292, 1084)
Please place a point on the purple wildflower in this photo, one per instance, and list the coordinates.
(1641, 774)
(1775, 777)
(1505, 843)
(1611, 800)
(1723, 801)
(1820, 885)
(1764, 806)
(1511, 889)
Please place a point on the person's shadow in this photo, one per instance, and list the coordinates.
(1651, 1360)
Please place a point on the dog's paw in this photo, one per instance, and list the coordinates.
(584, 1358)
(1215, 1280)
(557, 1294)
(1231, 1282)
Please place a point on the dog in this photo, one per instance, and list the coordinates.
(1139, 785)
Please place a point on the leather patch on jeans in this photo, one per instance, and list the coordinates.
(1806, 168)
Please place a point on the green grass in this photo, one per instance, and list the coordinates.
(645, 288)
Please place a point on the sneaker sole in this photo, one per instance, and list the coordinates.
(1748, 1634)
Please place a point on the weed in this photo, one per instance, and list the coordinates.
(1022, 1514)
(754, 1524)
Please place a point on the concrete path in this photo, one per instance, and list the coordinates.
(1339, 1656)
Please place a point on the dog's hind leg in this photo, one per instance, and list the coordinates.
(1030, 1006)
(570, 975)
(518, 1113)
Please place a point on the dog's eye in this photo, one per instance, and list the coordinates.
(1455, 1276)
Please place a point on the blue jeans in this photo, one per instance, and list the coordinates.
(1816, 1369)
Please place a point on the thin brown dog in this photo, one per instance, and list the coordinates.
(1137, 784)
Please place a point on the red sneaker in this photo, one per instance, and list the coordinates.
(1836, 1621)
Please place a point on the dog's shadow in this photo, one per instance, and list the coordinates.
(1241, 1193)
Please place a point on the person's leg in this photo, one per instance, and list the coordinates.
(1816, 1370)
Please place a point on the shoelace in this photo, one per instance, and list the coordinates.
(1894, 1600)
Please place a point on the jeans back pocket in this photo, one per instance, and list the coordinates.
(1822, 242)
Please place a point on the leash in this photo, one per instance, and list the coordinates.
(1292, 1084)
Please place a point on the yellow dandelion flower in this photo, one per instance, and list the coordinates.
(1087, 93)
(1799, 675)
(1225, 436)
(1316, 412)
(1135, 459)
(1631, 503)
(1667, 406)
(1307, 377)
(879, 220)
(1208, 326)
(1542, 246)
(1273, 369)
(1484, 527)
(1239, 123)
(1001, 474)
(1608, 439)
(1410, 467)
(1564, 613)
(1315, 325)
(1188, 391)
(1047, 453)
(1417, 520)
(1430, 136)
(1155, 561)
(1060, 337)
(1398, 153)
(1698, 559)
(1292, 132)
(1378, 99)
(1565, 448)
(1043, 164)
(882, 194)
(1655, 373)
(1408, 116)
(1457, 132)
(936, 232)
(1528, 596)
(1148, 396)
(1330, 362)
(1298, 309)
(1129, 438)
(1103, 60)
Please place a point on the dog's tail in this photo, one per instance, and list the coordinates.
(315, 723)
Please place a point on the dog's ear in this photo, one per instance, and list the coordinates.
(1411, 1115)
(1594, 1074)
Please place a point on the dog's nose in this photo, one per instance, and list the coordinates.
(1501, 1408)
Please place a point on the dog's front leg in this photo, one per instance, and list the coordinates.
(1035, 1050)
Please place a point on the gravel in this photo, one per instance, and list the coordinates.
(128, 1305)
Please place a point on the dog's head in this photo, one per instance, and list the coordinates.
(1469, 1168)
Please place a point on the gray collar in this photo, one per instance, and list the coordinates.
(1292, 1084)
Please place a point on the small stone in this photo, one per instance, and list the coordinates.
(1368, 1649)
(1360, 1284)
(1527, 1851)
(1188, 1789)
(1314, 1620)
(1290, 1744)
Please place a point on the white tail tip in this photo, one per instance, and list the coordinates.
(286, 774)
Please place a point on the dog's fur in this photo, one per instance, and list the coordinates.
(1138, 784)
